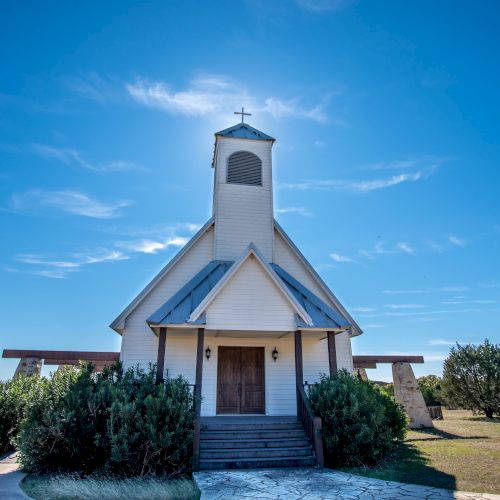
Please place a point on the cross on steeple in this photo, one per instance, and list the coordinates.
(243, 114)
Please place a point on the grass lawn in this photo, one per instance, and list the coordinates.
(53, 487)
(462, 453)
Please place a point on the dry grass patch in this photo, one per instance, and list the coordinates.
(462, 453)
(71, 487)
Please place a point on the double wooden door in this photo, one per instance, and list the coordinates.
(240, 380)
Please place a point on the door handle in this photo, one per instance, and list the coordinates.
(239, 389)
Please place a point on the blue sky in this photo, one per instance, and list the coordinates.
(386, 166)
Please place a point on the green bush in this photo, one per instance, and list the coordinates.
(430, 386)
(471, 378)
(361, 424)
(15, 397)
(118, 422)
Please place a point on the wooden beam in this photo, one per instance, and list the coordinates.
(299, 370)
(160, 363)
(363, 364)
(332, 353)
(67, 355)
(197, 397)
(388, 359)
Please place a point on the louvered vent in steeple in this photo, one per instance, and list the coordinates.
(244, 167)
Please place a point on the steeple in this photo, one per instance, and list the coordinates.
(243, 191)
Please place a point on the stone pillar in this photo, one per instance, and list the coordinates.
(407, 393)
(29, 367)
(361, 373)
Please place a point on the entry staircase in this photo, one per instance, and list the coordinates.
(254, 442)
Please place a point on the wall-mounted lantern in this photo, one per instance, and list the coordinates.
(208, 352)
(274, 354)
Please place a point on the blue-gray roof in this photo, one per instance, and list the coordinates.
(322, 315)
(245, 131)
(178, 308)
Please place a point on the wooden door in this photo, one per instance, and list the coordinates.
(252, 380)
(240, 380)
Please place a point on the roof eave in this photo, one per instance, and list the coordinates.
(355, 329)
(118, 324)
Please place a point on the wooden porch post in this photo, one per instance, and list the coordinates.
(197, 398)
(160, 363)
(332, 353)
(299, 369)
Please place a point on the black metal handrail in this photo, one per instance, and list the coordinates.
(313, 425)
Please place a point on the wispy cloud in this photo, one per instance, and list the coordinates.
(455, 240)
(405, 247)
(295, 210)
(441, 342)
(154, 246)
(426, 313)
(57, 268)
(214, 94)
(49, 266)
(473, 301)
(362, 309)
(411, 170)
(74, 157)
(322, 6)
(450, 289)
(73, 202)
(341, 258)
(362, 186)
(404, 306)
(381, 248)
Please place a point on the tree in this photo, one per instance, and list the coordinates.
(471, 377)
(430, 386)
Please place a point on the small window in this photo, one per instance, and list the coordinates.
(244, 167)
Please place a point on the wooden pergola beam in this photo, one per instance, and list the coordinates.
(62, 355)
(388, 359)
(363, 364)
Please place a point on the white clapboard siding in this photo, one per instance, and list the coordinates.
(139, 344)
(285, 257)
(344, 352)
(250, 300)
(243, 214)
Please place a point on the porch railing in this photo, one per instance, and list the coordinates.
(313, 425)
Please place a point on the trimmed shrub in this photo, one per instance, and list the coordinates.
(361, 424)
(15, 397)
(117, 422)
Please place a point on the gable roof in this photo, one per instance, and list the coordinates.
(189, 304)
(322, 315)
(244, 131)
(178, 309)
(250, 251)
(355, 328)
(118, 323)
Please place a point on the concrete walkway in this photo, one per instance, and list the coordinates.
(313, 484)
(10, 477)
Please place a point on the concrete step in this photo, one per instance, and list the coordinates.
(252, 434)
(257, 463)
(219, 444)
(216, 426)
(267, 453)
